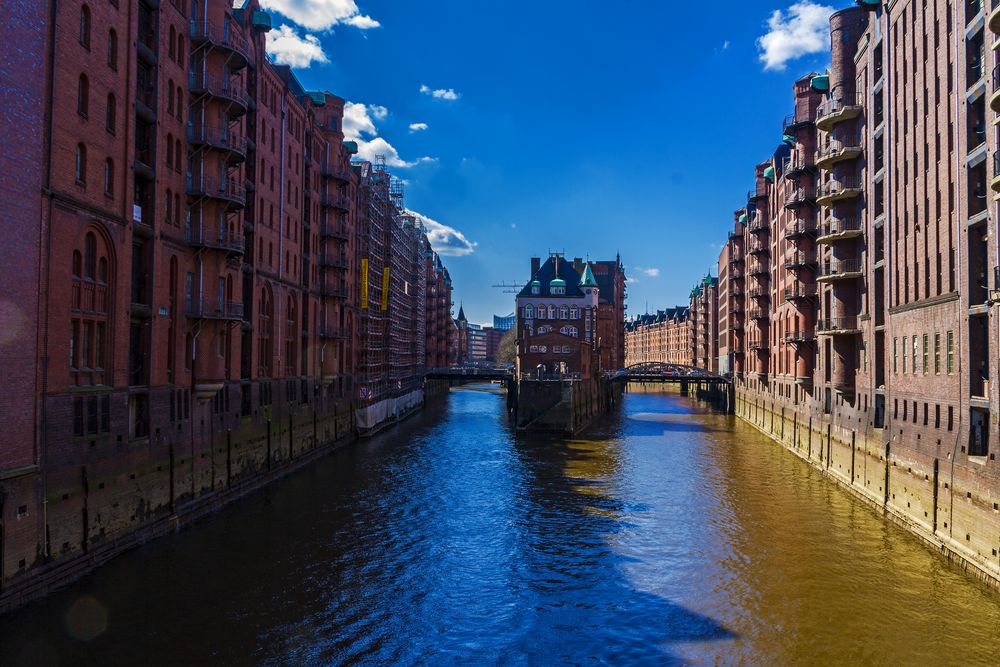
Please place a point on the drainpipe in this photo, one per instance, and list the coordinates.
(958, 261)
(281, 211)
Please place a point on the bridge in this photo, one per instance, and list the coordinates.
(468, 373)
(667, 374)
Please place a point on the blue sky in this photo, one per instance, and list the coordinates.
(585, 127)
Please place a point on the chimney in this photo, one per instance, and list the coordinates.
(536, 263)
(578, 264)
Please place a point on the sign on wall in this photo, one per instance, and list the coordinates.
(364, 283)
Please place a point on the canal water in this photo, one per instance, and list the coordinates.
(667, 534)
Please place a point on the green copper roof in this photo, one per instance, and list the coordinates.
(743, 218)
(820, 83)
(558, 282)
(351, 147)
(318, 98)
(788, 139)
(261, 21)
(588, 278)
(769, 174)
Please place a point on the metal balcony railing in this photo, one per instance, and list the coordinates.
(226, 189)
(846, 105)
(224, 310)
(837, 324)
(800, 292)
(220, 87)
(336, 200)
(799, 337)
(836, 226)
(800, 196)
(840, 268)
(838, 147)
(840, 187)
(219, 138)
(225, 37)
(334, 230)
(799, 228)
(799, 259)
(220, 240)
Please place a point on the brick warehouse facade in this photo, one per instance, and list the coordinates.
(186, 306)
(685, 335)
(865, 259)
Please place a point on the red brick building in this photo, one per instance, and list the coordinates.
(186, 308)
(868, 343)
(557, 320)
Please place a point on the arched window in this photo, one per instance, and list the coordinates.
(170, 151)
(552, 312)
(81, 164)
(172, 46)
(265, 319)
(177, 155)
(83, 95)
(170, 96)
(574, 313)
(111, 114)
(177, 209)
(109, 177)
(85, 26)
(291, 337)
(89, 314)
(529, 312)
(180, 50)
(170, 206)
(180, 104)
(564, 313)
(113, 49)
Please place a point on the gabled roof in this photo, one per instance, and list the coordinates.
(555, 267)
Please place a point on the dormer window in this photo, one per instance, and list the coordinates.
(558, 290)
(535, 289)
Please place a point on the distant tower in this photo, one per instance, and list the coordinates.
(463, 335)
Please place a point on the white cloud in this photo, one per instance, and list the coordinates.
(418, 127)
(288, 48)
(803, 29)
(359, 127)
(321, 14)
(445, 240)
(652, 272)
(440, 93)
(725, 45)
(513, 225)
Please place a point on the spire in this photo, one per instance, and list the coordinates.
(461, 313)
(588, 278)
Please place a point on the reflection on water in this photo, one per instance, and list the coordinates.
(666, 534)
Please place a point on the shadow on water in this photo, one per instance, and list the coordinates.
(586, 608)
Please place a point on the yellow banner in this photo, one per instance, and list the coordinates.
(385, 288)
(364, 283)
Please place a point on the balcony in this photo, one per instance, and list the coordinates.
(838, 229)
(838, 326)
(796, 121)
(838, 150)
(795, 166)
(755, 195)
(800, 293)
(221, 139)
(831, 192)
(333, 230)
(225, 38)
(329, 260)
(337, 172)
(840, 269)
(799, 337)
(758, 248)
(333, 291)
(736, 258)
(224, 310)
(337, 201)
(800, 260)
(799, 229)
(758, 223)
(757, 346)
(837, 110)
(759, 314)
(759, 269)
(332, 333)
(800, 197)
(225, 190)
(993, 18)
(231, 244)
(220, 88)
(758, 293)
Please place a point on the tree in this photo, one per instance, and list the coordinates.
(507, 350)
